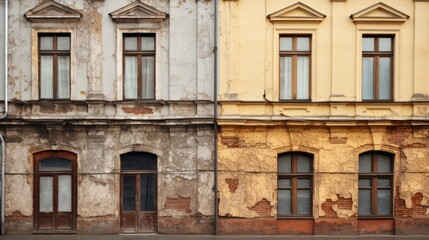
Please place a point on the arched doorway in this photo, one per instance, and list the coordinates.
(55, 192)
(138, 192)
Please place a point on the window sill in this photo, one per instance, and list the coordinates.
(295, 217)
(375, 217)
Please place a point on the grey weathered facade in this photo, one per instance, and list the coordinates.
(98, 124)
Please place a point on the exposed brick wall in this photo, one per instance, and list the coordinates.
(179, 204)
(342, 203)
(232, 184)
(262, 208)
(417, 210)
(231, 142)
(397, 135)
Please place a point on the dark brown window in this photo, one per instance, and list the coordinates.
(54, 65)
(55, 192)
(139, 66)
(377, 67)
(375, 184)
(138, 192)
(294, 184)
(295, 58)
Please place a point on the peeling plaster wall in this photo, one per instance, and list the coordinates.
(248, 168)
(183, 171)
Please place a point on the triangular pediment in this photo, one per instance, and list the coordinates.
(379, 12)
(137, 11)
(297, 12)
(52, 10)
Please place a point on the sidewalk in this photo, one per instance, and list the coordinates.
(202, 237)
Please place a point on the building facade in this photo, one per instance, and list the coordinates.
(323, 117)
(110, 121)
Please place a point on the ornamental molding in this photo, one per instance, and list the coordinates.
(297, 12)
(136, 12)
(379, 12)
(52, 11)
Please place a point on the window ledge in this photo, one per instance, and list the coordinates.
(375, 217)
(296, 217)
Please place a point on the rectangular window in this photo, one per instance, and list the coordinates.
(377, 67)
(54, 65)
(295, 57)
(375, 184)
(294, 185)
(139, 66)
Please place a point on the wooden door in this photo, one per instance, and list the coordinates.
(54, 193)
(138, 192)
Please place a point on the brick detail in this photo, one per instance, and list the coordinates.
(231, 142)
(138, 110)
(338, 140)
(232, 184)
(342, 203)
(417, 210)
(262, 208)
(181, 204)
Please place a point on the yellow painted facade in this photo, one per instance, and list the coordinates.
(335, 125)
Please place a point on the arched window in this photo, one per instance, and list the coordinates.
(375, 184)
(295, 184)
(55, 191)
(138, 192)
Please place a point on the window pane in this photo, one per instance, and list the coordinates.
(63, 77)
(365, 163)
(46, 194)
(364, 182)
(148, 43)
(46, 77)
(285, 165)
(303, 44)
(303, 77)
(384, 76)
(129, 193)
(284, 183)
(130, 43)
(148, 77)
(368, 44)
(383, 183)
(284, 202)
(285, 44)
(147, 192)
(385, 44)
(130, 84)
(383, 201)
(55, 164)
(64, 193)
(384, 163)
(364, 201)
(304, 163)
(285, 77)
(46, 43)
(368, 78)
(303, 202)
(63, 43)
(138, 161)
(303, 182)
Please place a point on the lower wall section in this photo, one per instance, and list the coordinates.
(266, 226)
(335, 226)
(98, 225)
(188, 225)
(376, 226)
(412, 226)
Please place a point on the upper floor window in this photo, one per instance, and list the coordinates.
(377, 67)
(295, 58)
(54, 65)
(375, 184)
(294, 184)
(139, 65)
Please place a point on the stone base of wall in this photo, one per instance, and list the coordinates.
(187, 225)
(98, 225)
(376, 226)
(231, 226)
(21, 225)
(335, 226)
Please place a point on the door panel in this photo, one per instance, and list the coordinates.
(129, 221)
(147, 222)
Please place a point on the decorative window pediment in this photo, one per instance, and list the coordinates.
(297, 12)
(379, 12)
(52, 11)
(136, 12)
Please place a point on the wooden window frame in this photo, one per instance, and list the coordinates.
(54, 53)
(376, 54)
(294, 176)
(39, 157)
(294, 54)
(139, 54)
(374, 176)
